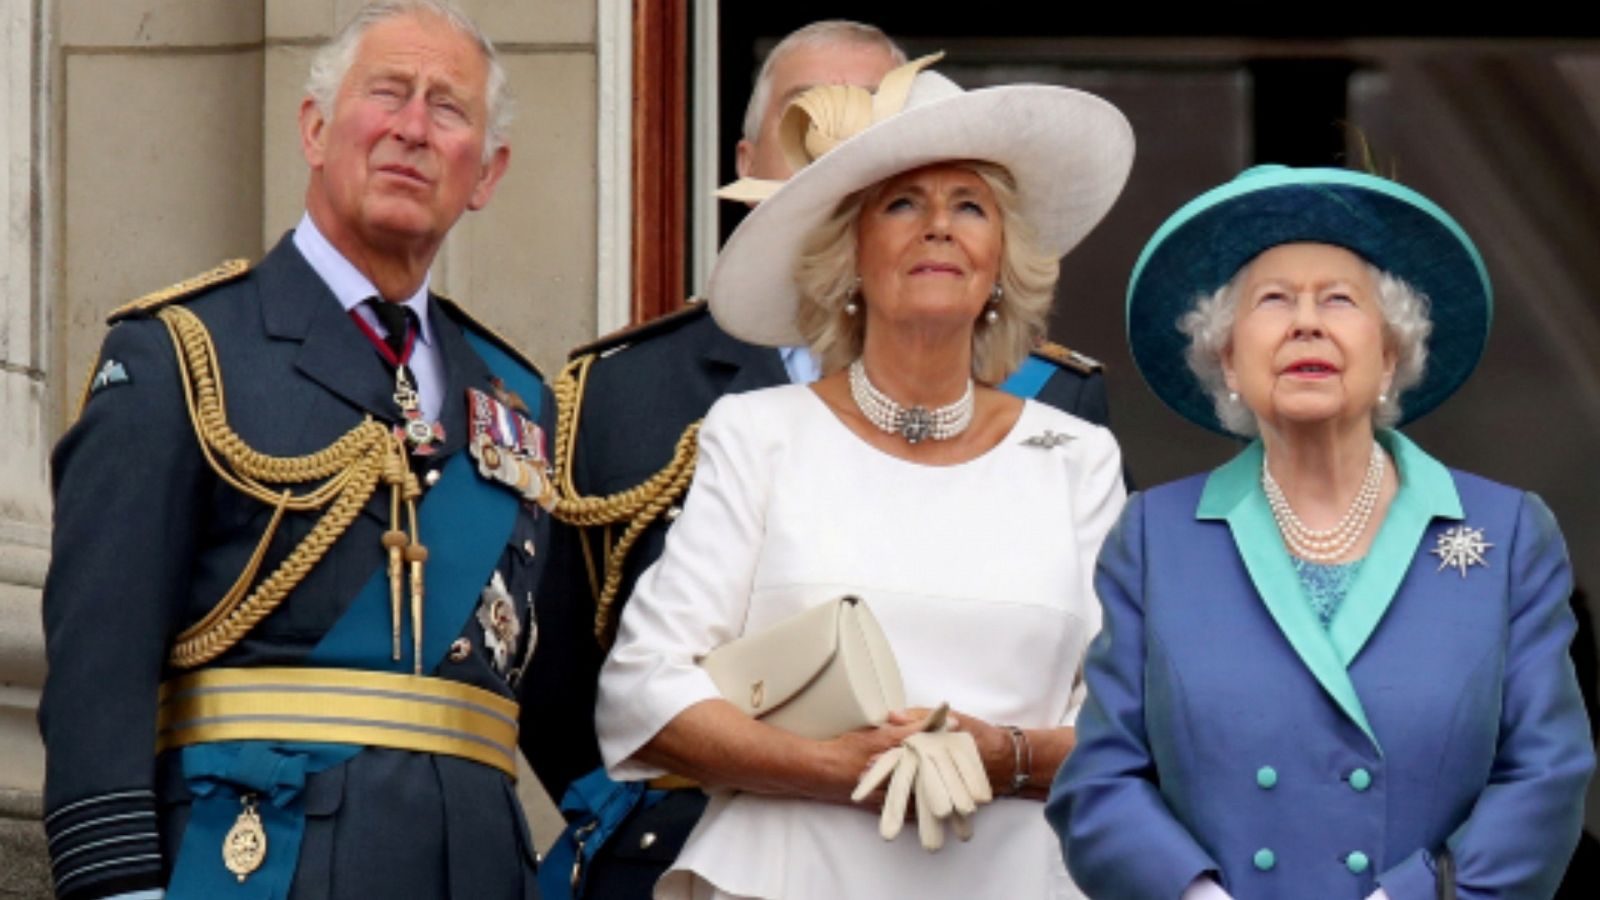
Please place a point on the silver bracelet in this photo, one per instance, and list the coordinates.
(1022, 759)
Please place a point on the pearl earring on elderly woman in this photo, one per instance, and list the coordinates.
(992, 314)
(851, 307)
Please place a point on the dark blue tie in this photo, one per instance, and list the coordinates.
(397, 320)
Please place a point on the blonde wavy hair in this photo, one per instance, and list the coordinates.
(825, 276)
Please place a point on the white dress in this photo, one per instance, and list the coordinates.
(980, 574)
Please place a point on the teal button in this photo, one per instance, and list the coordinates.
(1265, 859)
(1356, 862)
(1266, 777)
(1361, 779)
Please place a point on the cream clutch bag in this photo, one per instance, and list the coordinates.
(819, 673)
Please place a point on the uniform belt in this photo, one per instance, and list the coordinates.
(344, 706)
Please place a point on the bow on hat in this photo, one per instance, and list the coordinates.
(826, 116)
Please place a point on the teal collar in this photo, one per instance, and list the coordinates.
(1233, 493)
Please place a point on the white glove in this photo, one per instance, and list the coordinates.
(944, 772)
(901, 764)
(951, 765)
(1204, 888)
(951, 783)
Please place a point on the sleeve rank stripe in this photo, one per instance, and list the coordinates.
(150, 836)
(102, 822)
(101, 798)
(145, 861)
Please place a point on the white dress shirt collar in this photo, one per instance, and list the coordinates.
(346, 281)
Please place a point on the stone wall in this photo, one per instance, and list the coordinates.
(24, 496)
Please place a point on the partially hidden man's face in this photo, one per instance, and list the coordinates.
(798, 70)
(401, 156)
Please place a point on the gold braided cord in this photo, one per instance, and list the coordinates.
(223, 272)
(637, 507)
(653, 508)
(350, 470)
(568, 391)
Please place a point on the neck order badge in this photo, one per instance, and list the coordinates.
(422, 436)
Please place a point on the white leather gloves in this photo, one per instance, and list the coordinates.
(942, 770)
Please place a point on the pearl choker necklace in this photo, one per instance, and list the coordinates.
(915, 424)
(1329, 544)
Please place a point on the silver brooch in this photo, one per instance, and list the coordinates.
(1460, 547)
(1047, 440)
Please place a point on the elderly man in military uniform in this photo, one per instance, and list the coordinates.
(629, 399)
(298, 528)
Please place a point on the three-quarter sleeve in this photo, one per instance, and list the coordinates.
(696, 595)
(1098, 496)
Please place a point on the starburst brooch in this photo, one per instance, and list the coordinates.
(1460, 547)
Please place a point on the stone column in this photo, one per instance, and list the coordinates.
(133, 146)
(24, 495)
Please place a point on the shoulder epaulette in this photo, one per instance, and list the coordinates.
(222, 274)
(633, 334)
(1081, 363)
(494, 337)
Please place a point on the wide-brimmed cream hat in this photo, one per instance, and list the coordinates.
(1069, 152)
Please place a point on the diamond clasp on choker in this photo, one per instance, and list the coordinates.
(916, 423)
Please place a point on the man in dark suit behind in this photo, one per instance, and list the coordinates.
(636, 393)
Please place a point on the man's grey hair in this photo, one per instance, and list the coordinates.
(826, 33)
(333, 60)
(1209, 326)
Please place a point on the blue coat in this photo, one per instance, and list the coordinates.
(1227, 732)
(147, 538)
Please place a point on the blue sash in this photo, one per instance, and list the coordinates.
(595, 806)
(1028, 380)
(465, 521)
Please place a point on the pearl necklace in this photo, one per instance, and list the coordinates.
(915, 424)
(1329, 544)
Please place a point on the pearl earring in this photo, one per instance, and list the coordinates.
(851, 307)
(991, 315)
(1233, 396)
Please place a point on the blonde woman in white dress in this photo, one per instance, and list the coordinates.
(917, 260)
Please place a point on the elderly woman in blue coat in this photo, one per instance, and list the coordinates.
(1332, 667)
